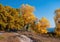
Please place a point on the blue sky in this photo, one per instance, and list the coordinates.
(43, 8)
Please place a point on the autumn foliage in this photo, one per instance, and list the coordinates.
(57, 22)
(27, 13)
(22, 18)
(42, 25)
(10, 18)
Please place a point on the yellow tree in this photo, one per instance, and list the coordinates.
(57, 22)
(27, 12)
(44, 24)
(14, 19)
(2, 17)
(36, 26)
(10, 18)
(41, 25)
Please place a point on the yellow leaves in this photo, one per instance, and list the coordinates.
(38, 26)
(41, 26)
(1, 7)
(15, 20)
(40, 29)
(9, 17)
(43, 31)
(45, 22)
(27, 7)
(10, 25)
(43, 19)
(57, 22)
(57, 12)
(27, 12)
(3, 24)
(57, 31)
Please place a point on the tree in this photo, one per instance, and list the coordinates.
(44, 24)
(27, 13)
(16, 19)
(39, 26)
(57, 22)
(2, 17)
(10, 18)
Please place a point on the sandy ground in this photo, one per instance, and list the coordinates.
(8, 37)
(12, 37)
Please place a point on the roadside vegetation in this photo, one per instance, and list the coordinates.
(22, 19)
